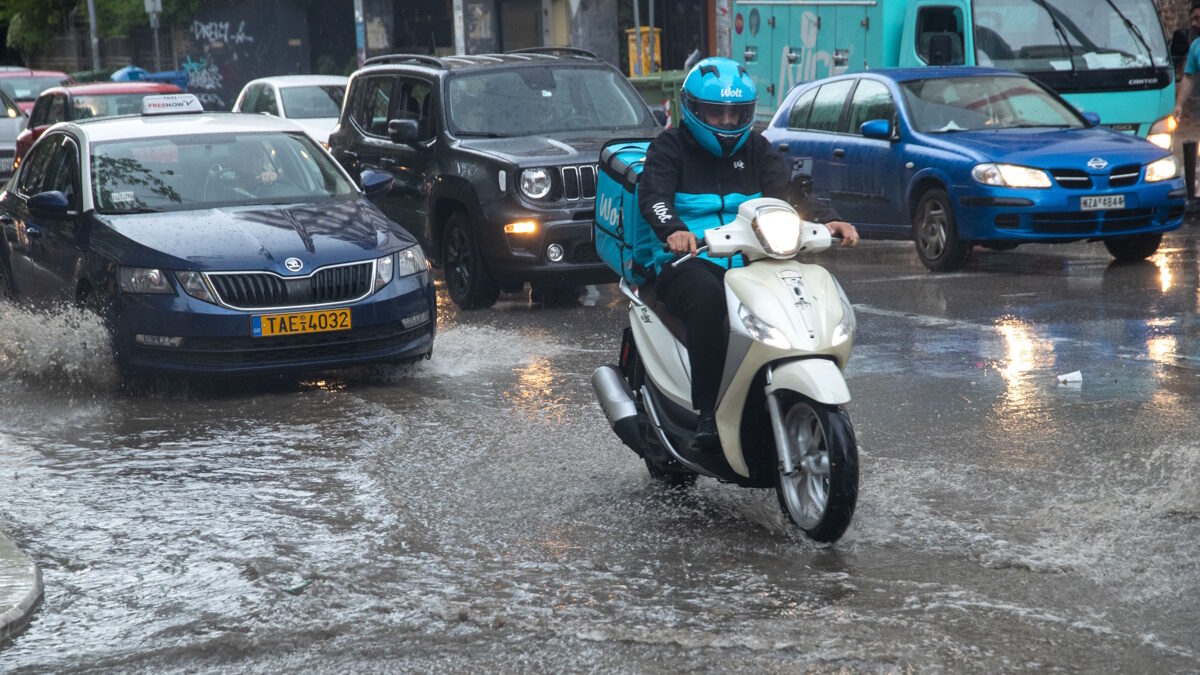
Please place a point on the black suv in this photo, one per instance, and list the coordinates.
(494, 158)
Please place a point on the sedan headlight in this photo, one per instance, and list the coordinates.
(1162, 169)
(383, 270)
(761, 330)
(535, 183)
(845, 329)
(412, 260)
(143, 280)
(1010, 175)
(193, 284)
(778, 230)
(1161, 132)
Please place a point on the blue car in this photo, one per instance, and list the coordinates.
(955, 157)
(214, 243)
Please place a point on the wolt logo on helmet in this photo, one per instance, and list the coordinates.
(730, 91)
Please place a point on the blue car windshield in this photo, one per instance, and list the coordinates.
(946, 104)
(200, 171)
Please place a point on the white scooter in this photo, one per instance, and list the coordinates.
(779, 411)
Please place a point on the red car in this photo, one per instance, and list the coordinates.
(85, 101)
(23, 85)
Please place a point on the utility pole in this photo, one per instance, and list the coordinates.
(360, 32)
(92, 33)
(637, 33)
(460, 29)
(153, 8)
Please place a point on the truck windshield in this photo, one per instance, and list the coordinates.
(1066, 35)
(945, 104)
(539, 99)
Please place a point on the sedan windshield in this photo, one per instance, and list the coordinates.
(947, 104)
(1048, 35)
(312, 102)
(537, 99)
(87, 106)
(201, 171)
(28, 88)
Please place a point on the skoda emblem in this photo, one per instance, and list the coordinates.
(1097, 163)
(293, 264)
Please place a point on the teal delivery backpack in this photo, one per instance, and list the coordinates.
(624, 240)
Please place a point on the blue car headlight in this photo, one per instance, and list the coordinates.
(1010, 175)
(411, 261)
(194, 285)
(143, 280)
(383, 270)
(1162, 169)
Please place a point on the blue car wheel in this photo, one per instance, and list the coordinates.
(935, 232)
(1134, 247)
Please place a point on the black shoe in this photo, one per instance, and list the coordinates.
(706, 440)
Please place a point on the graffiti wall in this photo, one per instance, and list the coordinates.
(231, 45)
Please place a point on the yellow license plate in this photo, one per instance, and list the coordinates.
(268, 325)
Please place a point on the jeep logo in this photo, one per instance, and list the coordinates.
(608, 211)
(730, 92)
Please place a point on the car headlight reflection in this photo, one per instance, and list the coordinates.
(1010, 175)
(535, 183)
(1162, 169)
(143, 280)
(193, 284)
(844, 331)
(412, 260)
(761, 330)
(778, 231)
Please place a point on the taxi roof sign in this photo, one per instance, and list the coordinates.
(171, 104)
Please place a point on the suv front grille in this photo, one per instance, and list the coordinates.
(579, 182)
(258, 290)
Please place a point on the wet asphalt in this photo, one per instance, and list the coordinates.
(474, 513)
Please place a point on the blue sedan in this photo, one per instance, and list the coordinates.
(955, 157)
(214, 243)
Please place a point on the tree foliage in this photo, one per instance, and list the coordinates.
(32, 24)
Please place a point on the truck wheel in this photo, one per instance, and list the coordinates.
(467, 278)
(1134, 247)
(935, 231)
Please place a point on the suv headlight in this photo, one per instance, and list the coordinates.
(845, 329)
(761, 330)
(1162, 169)
(1010, 175)
(535, 183)
(412, 260)
(143, 280)
(1161, 132)
(778, 230)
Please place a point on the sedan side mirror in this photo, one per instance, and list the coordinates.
(880, 129)
(403, 131)
(376, 183)
(52, 204)
(1092, 118)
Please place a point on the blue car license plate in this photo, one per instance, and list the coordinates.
(1101, 202)
(267, 325)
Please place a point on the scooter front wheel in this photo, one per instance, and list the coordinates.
(820, 494)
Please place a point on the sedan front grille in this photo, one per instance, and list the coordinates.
(579, 182)
(260, 290)
(1071, 178)
(1123, 176)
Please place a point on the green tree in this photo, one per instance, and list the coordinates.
(32, 23)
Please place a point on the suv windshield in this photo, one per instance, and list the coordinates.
(200, 171)
(1049, 35)
(972, 103)
(537, 99)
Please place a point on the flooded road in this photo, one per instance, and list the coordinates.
(474, 512)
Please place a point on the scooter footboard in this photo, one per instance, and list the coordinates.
(818, 379)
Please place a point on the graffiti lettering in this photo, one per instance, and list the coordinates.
(218, 31)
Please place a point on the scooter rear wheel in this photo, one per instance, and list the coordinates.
(820, 495)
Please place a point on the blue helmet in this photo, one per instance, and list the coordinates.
(718, 100)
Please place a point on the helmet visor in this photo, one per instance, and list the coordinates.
(723, 116)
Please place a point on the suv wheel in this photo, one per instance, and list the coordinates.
(467, 279)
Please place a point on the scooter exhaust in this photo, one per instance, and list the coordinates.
(616, 399)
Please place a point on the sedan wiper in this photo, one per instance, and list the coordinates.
(134, 209)
(479, 134)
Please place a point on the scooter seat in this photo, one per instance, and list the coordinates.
(673, 323)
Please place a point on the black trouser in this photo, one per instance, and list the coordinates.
(694, 291)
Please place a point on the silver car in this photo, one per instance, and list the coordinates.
(12, 123)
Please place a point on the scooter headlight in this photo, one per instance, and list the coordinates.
(778, 230)
(761, 330)
(844, 331)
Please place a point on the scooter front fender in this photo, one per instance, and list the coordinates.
(818, 379)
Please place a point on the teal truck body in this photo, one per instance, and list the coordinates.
(1109, 57)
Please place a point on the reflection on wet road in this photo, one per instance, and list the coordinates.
(474, 512)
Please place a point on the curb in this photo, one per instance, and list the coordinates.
(20, 588)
